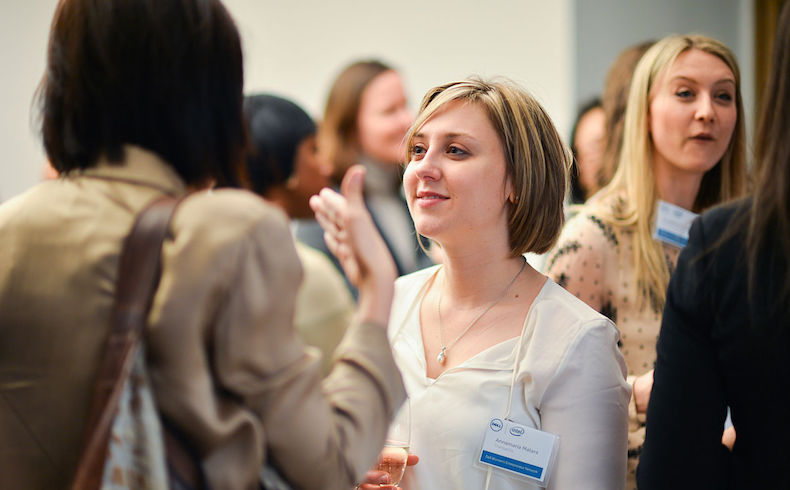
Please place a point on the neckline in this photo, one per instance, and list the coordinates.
(417, 302)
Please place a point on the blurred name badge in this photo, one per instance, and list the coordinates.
(519, 450)
(672, 224)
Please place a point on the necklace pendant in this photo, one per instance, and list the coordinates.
(442, 356)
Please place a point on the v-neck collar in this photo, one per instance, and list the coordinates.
(500, 356)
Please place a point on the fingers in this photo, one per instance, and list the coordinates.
(352, 185)
(329, 208)
(330, 212)
(374, 478)
(412, 460)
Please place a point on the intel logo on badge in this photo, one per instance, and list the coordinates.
(516, 431)
(496, 425)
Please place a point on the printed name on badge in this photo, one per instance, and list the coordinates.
(519, 450)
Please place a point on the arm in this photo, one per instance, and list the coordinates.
(320, 435)
(687, 407)
(352, 237)
(334, 428)
(586, 404)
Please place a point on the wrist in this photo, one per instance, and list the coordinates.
(640, 401)
(375, 301)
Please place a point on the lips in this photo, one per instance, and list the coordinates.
(428, 195)
(703, 137)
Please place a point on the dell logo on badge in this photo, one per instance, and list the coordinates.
(516, 431)
(496, 425)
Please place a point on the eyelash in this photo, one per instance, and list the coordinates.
(419, 150)
(686, 93)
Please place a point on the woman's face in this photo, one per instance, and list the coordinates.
(383, 118)
(589, 143)
(692, 113)
(310, 175)
(456, 184)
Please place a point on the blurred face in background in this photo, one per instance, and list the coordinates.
(384, 118)
(310, 175)
(589, 144)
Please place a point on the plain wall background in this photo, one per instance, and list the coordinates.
(558, 50)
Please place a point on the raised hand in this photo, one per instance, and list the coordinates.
(352, 237)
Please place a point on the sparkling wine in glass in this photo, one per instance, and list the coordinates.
(392, 458)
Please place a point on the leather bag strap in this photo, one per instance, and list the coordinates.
(138, 276)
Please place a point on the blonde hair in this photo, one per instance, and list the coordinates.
(634, 180)
(537, 161)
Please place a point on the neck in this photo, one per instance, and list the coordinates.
(475, 280)
(280, 197)
(677, 186)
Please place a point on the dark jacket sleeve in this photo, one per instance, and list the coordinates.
(685, 416)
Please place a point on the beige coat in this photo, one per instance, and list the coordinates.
(225, 362)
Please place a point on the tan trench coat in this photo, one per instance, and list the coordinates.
(225, 362)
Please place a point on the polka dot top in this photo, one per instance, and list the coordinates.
(595, 261)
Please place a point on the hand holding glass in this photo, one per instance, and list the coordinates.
(392, 458)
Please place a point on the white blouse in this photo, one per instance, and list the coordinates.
(569, 381)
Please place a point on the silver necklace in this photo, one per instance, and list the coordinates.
(442, 356)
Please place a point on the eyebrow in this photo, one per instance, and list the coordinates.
(722, 80)
(450, 135)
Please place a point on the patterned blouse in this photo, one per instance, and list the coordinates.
(595, 261)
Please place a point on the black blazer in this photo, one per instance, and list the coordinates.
(718, 349)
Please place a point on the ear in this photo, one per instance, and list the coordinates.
(510, 193)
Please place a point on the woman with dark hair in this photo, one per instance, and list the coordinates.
(725, 334)
(141, 99)
(587, 143)
(285, 167)
(365, 122)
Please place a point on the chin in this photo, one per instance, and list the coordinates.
(428, 230)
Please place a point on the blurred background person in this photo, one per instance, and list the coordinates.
(143, 99)
(684, 144)
(365, 122)
(725, 334)
(587, 143)
(284, 166)
(613, 102)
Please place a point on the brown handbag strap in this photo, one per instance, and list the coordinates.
(138, 275)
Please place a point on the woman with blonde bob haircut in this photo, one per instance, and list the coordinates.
(683, 143)
(484, 336)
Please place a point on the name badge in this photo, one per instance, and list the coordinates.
(672, 224)
(519, 450)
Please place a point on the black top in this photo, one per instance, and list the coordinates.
(717, 349)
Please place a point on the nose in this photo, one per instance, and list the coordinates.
(427, 168)
(705, 108)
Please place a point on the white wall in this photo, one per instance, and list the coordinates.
(296, 49)
(24, 29)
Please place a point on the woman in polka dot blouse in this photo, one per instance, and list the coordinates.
(683, 143)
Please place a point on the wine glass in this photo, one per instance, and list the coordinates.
(393, 456)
